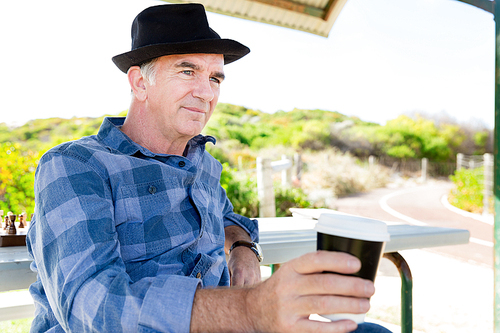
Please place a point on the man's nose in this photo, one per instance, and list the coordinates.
(203, 90)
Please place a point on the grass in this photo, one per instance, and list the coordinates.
(16, 326)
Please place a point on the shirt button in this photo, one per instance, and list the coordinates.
(198, 275)
(152, 189)
(182, 164)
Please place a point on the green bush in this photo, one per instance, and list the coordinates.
(17, 177)
(288, 198)
(405, 137)
(241, 189)
(468, 191)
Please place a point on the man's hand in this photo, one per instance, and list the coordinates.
(284, 302)
(244, 267)
(243, 264)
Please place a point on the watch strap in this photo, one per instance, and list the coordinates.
(250, 245)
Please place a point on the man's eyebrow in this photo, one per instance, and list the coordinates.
(187, 64)
(219, 75)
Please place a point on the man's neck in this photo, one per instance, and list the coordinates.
(142, 134)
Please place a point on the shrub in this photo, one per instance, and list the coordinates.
(340, 174)
(17, 177)
(287, 198)
(241, 190)
(468, 191)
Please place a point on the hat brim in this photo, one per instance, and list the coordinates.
(231, 49)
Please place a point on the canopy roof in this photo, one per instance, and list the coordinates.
(313, 16)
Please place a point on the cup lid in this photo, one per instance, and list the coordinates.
(350, 226)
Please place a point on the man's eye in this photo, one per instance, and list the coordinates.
(216, 80)
(188, 72)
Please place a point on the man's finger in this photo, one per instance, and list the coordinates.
(334, 284)
(317, 262)
(325, 304)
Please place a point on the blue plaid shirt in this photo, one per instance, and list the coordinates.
(123, 237)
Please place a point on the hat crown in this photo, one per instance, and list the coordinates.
(171, 24)
(175, 29)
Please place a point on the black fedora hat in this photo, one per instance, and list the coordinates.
(175, 29)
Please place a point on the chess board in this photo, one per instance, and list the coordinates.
(19, 239)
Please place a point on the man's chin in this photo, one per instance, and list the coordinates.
(195, 128)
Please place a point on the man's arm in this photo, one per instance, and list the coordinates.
(243, 264)
(79, 258)
(284, 302)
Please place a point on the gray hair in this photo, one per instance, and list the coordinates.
(148, 71)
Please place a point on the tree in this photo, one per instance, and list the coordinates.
(17, 177)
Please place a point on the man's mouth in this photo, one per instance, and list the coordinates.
(194, 109)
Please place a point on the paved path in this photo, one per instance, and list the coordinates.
(422, 205)
(452, 285)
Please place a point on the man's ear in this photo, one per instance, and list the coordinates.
(136, 81)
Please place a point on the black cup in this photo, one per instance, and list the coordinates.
(368, 252)
(361, 237)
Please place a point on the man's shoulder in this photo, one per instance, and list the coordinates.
(82, 148)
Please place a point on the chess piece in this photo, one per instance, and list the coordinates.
(21, 220)
(7, 220)
(12, 227)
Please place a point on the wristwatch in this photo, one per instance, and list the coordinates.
(255, 247)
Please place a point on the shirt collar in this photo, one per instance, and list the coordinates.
(112, 137)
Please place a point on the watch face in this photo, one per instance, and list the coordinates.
(259, 250)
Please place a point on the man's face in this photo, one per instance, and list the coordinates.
(185, 93)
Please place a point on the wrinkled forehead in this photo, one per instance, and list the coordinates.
(201, 60)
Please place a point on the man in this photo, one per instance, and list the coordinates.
(132, 226)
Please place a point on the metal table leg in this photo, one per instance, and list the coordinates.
(274, 268)
(406, 290)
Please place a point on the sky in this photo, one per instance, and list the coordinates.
(382, 59)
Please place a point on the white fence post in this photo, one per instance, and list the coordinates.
(240, 162)
(286, 174)
(488, 182)
(297, 162)
(424, 169)
(265, 189)
(460, 158)
(371, 161)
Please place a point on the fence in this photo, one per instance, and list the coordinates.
(486, 163)
(265, 187)
(288, 167)
(412, 166)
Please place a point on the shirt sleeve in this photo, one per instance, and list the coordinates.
(77, 257)
(251, 226)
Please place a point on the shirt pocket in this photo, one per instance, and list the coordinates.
(212, 209)
(144, 220)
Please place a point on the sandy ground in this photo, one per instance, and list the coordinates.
(449, 296)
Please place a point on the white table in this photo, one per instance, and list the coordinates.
(285, 238)
(281, 239)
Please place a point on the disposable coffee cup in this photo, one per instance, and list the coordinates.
(362, 237)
